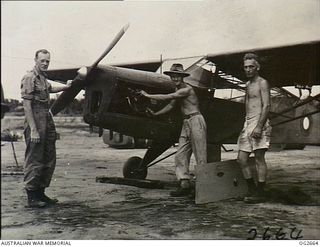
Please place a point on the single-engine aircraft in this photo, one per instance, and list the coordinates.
(112, 100)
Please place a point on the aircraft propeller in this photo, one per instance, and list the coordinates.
(79, 81)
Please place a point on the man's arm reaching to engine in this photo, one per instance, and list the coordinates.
(181, 93)
(164, 110)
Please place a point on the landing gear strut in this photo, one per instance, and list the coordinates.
(137, 168)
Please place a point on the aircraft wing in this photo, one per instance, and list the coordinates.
(282, 66)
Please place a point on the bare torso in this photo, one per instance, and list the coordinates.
(254, 98)
(190, 103)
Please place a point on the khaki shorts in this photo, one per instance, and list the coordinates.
(247, 143)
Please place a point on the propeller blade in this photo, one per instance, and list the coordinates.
(67, 96)
(78, 83)
(112, 44)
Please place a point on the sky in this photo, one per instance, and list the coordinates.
(76, 33)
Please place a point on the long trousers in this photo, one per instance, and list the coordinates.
(193, 138)
(40, 158)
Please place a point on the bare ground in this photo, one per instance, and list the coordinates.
(91, 210)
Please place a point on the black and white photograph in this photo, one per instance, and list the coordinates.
(160, 120)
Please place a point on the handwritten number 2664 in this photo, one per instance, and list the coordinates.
(279, 234)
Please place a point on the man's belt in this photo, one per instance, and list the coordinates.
(191, 115)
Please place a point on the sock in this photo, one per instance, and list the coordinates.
(260, 187)
(251, 185)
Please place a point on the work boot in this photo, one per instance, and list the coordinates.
(257, 197)
(183, 190)
(34, 200)
(44, 198)
(180, 192)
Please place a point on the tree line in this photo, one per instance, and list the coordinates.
(74, 108)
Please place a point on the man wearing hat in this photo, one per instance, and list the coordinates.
(193, 134)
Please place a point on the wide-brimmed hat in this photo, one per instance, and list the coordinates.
(176, 69)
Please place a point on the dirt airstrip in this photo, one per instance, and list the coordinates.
(91, 210)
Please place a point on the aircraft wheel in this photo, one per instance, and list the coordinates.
(130, 169)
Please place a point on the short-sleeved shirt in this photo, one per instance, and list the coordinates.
(35, 86)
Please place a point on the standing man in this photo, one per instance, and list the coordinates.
(255, 136)
(40, 133)
(193, 134)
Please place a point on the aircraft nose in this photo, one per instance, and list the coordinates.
(82, 72)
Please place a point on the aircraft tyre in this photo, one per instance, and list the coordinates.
(130, 169)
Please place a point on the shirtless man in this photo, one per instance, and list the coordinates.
(193, 134)
(255, 136)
